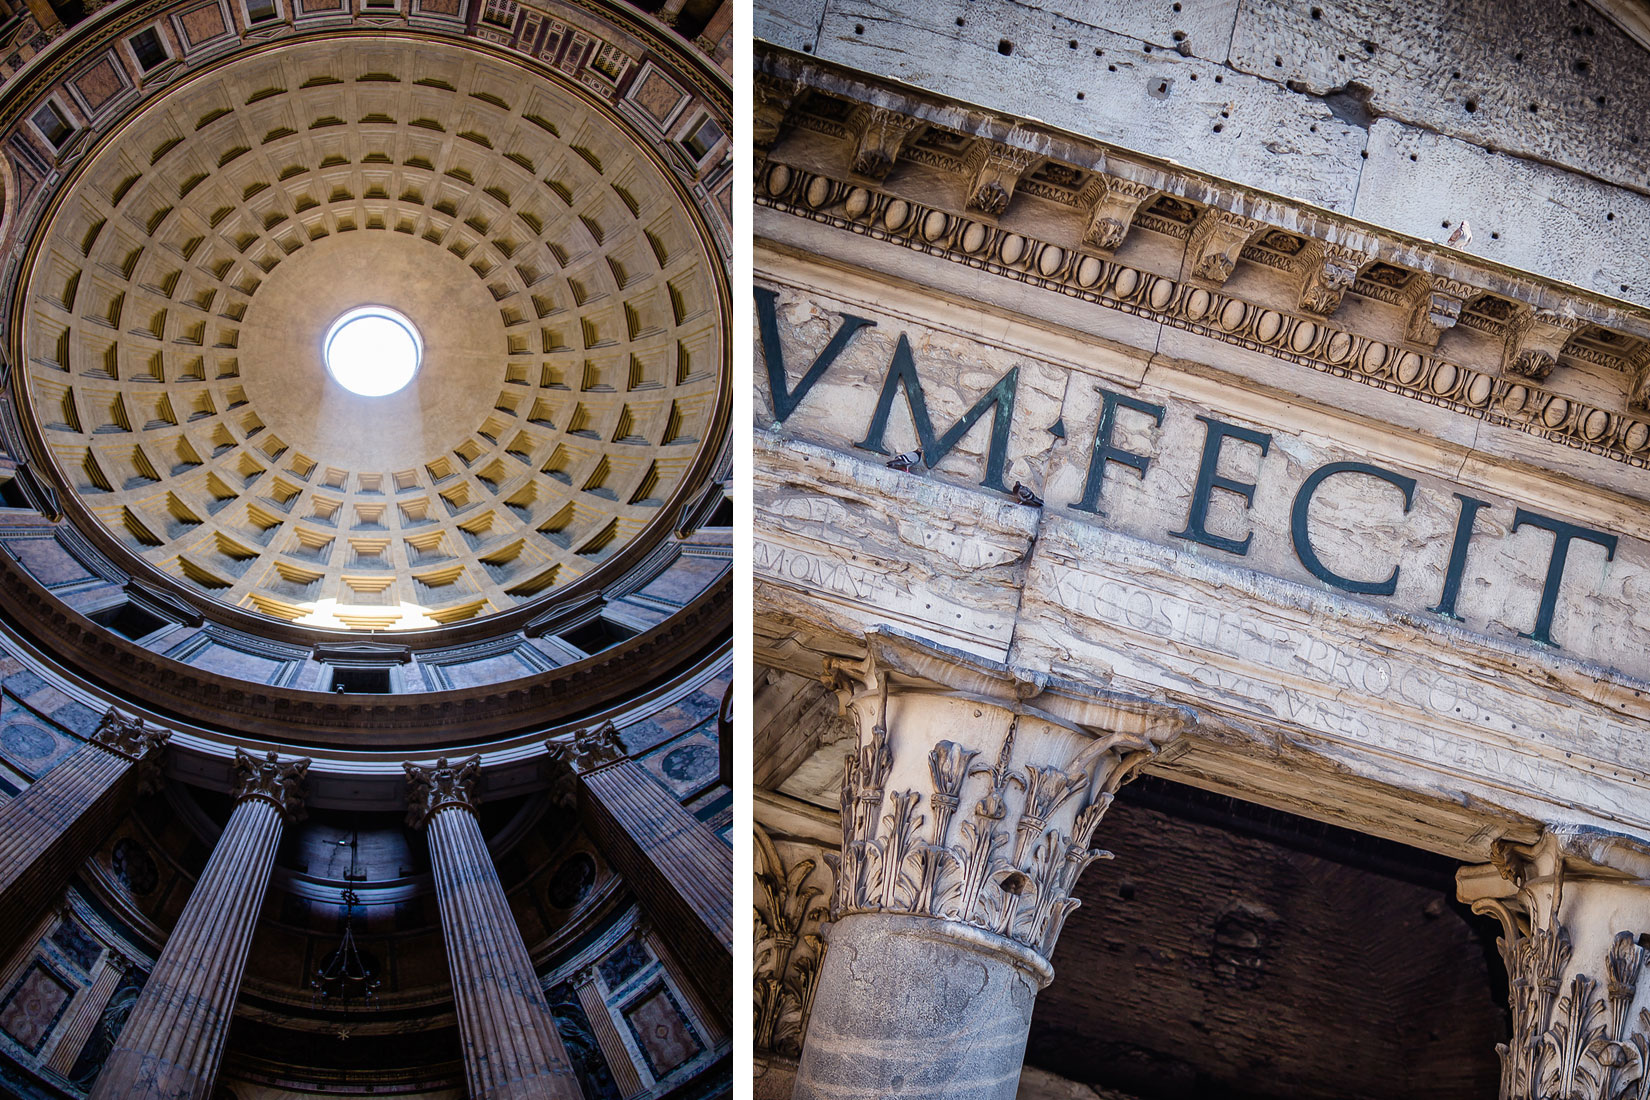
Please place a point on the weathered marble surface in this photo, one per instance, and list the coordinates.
(939, 990)
(1465, 713)
(1323, 109)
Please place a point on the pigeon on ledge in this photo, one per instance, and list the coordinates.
(906, 462)
(1026, 496)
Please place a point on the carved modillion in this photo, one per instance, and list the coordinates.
(1216, 242)
(1112, 203)
(1534, 339)
(771, 102)
(266, 778)
(993, 170)
(1435, 306)
(879, 135)
(434, 787)
(1327, 273)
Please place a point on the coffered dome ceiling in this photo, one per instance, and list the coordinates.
(180, 290)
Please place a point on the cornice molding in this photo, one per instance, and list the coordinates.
(1311, 341)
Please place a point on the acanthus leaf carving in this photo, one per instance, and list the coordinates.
(1003, 860)
(587, 749)
(433, 787)
(1534, 339)
(1574, 1036)
(789, 947)
(130, 738)
(268, 779)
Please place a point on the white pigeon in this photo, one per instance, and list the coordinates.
(1462, 235)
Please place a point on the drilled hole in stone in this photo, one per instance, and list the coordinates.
(1005, 47)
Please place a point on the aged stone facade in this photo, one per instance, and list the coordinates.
(1207, 438)
(364, 741)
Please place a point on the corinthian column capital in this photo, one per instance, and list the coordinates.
(128, 737)
(1572, 907)
(430, 788)
(975, 794)
(586, 750)
(267, 779)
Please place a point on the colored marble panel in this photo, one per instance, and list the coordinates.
(662, 1031)
(687, 765)
(26, 741)
(47, 562)
(238, 663)
(100, 83)
(202, 24)
(77, 944)
(34, 1006)
(686, 578)
(656, 94)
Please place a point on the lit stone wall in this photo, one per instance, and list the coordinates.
(1411, 117)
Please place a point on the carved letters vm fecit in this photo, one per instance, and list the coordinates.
(902, 376)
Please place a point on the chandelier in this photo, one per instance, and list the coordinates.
(345, 979)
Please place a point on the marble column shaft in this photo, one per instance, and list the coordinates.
(87, 1011)
(50, 829)
(680, 871)
(173, 1042)
(511, 1048)
(625, 1077)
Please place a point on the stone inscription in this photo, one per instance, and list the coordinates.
(1278, 497)
(1355, 682)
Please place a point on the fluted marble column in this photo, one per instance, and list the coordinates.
(680, 871)
(1574, 909)
(967, 816)
(511, 1048)
(49, 830)
(173, 1042)
(86, 1012)
(625, 1077)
